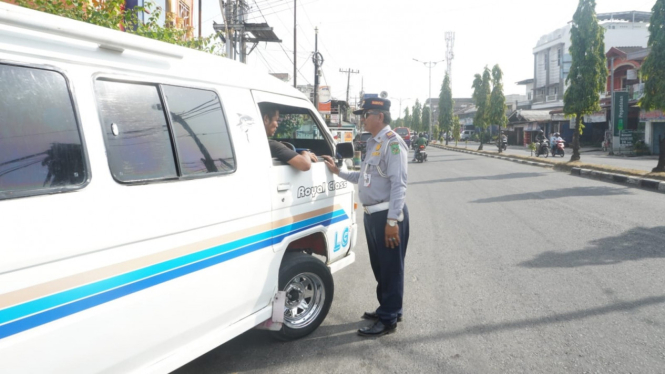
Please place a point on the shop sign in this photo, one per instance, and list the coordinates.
(626, 137)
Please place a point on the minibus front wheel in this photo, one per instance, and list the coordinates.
(309, 290)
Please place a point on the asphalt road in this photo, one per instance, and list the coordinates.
(510, 269)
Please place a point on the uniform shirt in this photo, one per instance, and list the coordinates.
(280, 151)
(386, 167)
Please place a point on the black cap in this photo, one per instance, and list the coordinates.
(374, 103)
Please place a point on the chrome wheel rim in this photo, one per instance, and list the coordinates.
(305, 296)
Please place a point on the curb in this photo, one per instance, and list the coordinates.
(628, 180)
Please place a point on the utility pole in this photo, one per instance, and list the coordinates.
(317, 58)
(295, 46)
(348, 80)
(200, 23)
(228, 20)
(429, 64)
(235, 26)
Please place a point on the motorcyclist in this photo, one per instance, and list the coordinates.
(556, 141)
(553, 142)
(414, 141)
(542, 141)
(422, 140)
(502, 140)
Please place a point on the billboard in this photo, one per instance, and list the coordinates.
(325, 99)
(620, 112)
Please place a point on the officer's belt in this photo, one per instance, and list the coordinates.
(380, 207)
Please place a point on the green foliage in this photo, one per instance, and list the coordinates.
(417, 112)
(481, 97)
(456, 129)
(288, 124)
(425, 118)
(407, 119)
(588, 72)
(111, 14)
(446, 105)
(653, 69)
(497, 109)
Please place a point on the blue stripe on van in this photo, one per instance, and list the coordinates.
(104, 291)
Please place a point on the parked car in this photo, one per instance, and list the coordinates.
(405, 133)
(361, 142)
(465, 135)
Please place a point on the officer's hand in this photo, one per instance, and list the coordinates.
(330, 163)
(392, 236)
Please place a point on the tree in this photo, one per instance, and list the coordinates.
(407, 119)
(588, 72)
(446, 106)
(481, 96)
(425, 121)
(653, 71)
(112, 14)
(416, 114)
(456, 128)
(497, 109)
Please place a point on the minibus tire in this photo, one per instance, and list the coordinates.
(309, 290)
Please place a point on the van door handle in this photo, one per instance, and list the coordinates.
(283, 187)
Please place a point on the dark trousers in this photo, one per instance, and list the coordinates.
(387, 264)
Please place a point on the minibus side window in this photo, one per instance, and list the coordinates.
(41, 148)
(202, 138)
(138, 141)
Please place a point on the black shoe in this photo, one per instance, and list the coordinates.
(374, 316)
(377, 329)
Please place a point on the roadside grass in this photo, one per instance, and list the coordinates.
(562, 164)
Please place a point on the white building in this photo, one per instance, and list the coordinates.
(552, 59)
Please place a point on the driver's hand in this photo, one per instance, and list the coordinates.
(312, 157)
(330, 163)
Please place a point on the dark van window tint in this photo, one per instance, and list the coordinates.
(40, 143)
(202, 138)
(138, 141)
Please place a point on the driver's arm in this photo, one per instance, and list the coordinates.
(303, 161)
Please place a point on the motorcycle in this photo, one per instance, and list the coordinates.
(421, 155)
(559, 149)
(543, 148)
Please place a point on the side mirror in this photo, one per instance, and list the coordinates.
(344, 150)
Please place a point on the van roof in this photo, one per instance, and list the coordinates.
(63, 39)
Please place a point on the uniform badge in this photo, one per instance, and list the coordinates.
(394, 148)
(390, 134)
(378, 147)
(376, 153)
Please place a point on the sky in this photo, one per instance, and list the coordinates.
(380, 38)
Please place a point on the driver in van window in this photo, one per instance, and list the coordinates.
(302, 161)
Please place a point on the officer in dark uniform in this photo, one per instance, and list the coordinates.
(382, 191)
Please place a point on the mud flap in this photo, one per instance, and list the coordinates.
(275, 323)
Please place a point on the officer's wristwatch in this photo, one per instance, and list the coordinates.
(392, 222)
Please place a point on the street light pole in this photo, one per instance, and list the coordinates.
(429, 64)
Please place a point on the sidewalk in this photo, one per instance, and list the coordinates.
(589, 155)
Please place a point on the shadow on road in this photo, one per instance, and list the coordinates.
(482, 177)
(256, 351)
(557, 194)
(633, 245)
